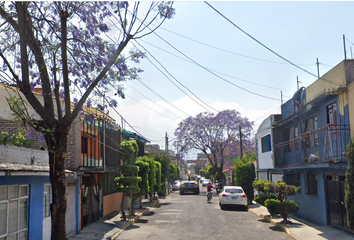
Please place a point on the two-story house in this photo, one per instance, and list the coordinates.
(309, 141)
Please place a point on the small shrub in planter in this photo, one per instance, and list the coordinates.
(285, 208)
(271, 205)
(260, 199)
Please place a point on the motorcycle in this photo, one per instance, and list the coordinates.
(209, 196)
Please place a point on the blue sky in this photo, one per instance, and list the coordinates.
(300, 31)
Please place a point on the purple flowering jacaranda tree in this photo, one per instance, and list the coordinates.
(217, 135)
(69, 50)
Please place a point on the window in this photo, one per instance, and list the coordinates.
(309, 133)
(311, 184)
(13, 212)
(332, 113)
(47, 199)
(266, 143)
(84, 145)
(293, 179)
(291, 136)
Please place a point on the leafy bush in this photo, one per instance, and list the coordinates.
(244, 176)
(275, 207)
(285, 208)
(271, 205)
(19, 140)
(260, 199)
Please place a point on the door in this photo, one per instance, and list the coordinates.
(71, 208)
(337, 214)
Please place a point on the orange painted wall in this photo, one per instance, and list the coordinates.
(111, 203)
(93, 146)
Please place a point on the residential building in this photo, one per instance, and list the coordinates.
(265, 150)
(309, 141)
(25, 185)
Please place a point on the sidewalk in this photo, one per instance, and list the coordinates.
(301, 229)
(111, 226)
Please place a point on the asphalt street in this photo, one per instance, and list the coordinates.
(184, 217)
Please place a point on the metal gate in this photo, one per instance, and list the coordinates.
(92, 200)
(337, 214)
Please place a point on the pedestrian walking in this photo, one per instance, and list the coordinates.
(217, 186)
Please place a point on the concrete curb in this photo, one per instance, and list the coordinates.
(132, 221)
(275, 223)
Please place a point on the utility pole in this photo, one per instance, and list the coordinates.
(318, 68)
(345, 51)
(281, 97)
(241, 154)
(166, 142)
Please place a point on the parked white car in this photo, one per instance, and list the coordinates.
(205, 182)
(176, 185)
(232, 196)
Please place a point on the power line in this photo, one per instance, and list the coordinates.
(153, 109)
(169, 80)
(224, 50)
(152, 100)
(217, 71)
(268, 47)
(176, 80)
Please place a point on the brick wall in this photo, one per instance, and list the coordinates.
(21, 155)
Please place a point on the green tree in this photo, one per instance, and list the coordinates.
(281, 191)
(128, 182)
(349, 184)
(144, 184)
(202, 173)
(151, 174)
(244, 172)
(173, 172)
(210, 171)
(157, 186)
(165, 160)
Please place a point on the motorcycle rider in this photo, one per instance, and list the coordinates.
(209, 190)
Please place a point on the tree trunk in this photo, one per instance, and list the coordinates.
(124, 218)
(222, 176)
(57, 150)
(141, 202)
(131, 205)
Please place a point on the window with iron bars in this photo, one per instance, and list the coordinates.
(311, 184)
(309, 135)
(291, 135)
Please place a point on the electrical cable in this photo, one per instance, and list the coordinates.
(224, 50)
(152, 100)
(176, 80)
(260, 95)
(153, 110)
(217, 71)
(268, 47)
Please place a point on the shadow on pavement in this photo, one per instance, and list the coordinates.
(149, 213)
(164, 204)
(142, 221)
(235, 208)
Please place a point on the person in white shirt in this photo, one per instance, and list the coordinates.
(217, 186)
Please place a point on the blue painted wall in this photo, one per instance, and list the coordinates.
(312, 208)
(35, 201)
